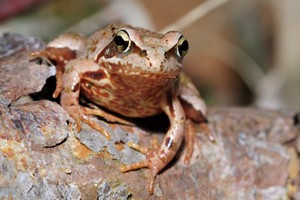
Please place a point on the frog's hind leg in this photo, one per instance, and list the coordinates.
(190, 136)
(194, 106)
(195, 111)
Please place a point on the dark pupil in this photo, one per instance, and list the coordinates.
(183, 47)
(119, 41)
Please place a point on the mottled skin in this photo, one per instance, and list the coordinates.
(133, 72)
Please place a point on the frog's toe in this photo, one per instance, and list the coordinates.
(145, 150)
(143, 164)
(137, 147)
(38, 54)
(208, 131)
(75, 124)
(109, 117)
(81, 117)
(96, 126)
(134, 166)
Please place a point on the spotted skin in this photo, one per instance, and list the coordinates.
(135, 73)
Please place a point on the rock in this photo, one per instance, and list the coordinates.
(254, 156)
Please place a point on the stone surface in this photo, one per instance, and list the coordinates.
(256, 154)
(20, 75)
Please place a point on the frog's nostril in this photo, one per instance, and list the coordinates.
(143, 53)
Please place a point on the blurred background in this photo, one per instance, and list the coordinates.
(242, 53)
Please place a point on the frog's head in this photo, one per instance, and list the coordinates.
(123, 49)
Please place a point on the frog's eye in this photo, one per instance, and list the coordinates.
(122, 41)
(182, 47)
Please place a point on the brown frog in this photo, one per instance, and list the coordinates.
(133, 72)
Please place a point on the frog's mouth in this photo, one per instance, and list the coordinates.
(129, 70)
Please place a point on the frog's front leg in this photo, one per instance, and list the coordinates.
(70, 94)
(59, 52)
(157, 159)
(57, 57)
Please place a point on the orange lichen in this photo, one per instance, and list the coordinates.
(113, 126)
(119, 145)
(293, 170)
(80, 150)
(24, 163)
(104, 153)
(128, 129)
(9, 152)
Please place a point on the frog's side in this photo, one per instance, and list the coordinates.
(133, 72)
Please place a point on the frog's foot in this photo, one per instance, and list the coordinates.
(109, 117)
(42, 56)
(152, 162)
(79, 116)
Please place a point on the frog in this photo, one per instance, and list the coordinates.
(135, 73)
